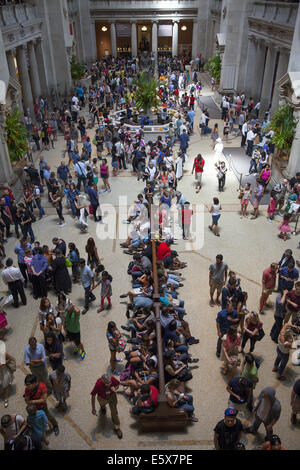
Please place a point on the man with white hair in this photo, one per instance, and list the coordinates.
(105, 389)
(219, 149)
(280, 190)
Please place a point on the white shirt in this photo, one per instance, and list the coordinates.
(75, 100)
(245, 128)
(11, 274)
(250, 135)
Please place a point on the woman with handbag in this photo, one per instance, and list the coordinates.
(252, 330)
(230, 349)
(7, 369)
(178, 399)
(221, 175)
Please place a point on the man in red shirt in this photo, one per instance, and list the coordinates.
(146, 400)
(164, 254)
(36, 394)
(268, 284)
(186, 220)
(293, 303)
(105, 389)
(198, 166)
(192, 102)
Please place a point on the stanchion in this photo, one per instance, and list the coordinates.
(296, 224)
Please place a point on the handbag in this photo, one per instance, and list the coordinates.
(260, 335)
(121, 344)
(3, 320)
(68, 263)
(90, 209)
(12, 364)
(240, 196)
(185, 375)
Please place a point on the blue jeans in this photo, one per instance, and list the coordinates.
(38, 203)
(281, 361)
(188, 406)
(182, 349)
(142, 302)
(73, 208)
(88, 297)
(27, 230)
(253, 165)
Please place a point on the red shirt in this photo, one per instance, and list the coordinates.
(101, 390)
(199, 165)
(192, 100)
(186, 216)
(269, 278)
(42, 389)
(163, 251)
(154, 396)
(295, 299)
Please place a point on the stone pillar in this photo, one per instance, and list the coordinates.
(113, 39)
(195, 38)
(34, 72)
(154, 40)
(39, 54)
(24, 79)
(259, 70)
(93, 54)
(294, 62)
(175, 38)
(281, 70)
(11, 65)
(6, 173)
(251, 81)
(294, 160)
(267, 80)
(133, 39)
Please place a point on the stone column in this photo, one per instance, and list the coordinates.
(113, 39)
(267, 80)
(154, 40)
(294, 160)
(281, 70)
(133, 39)
(195, 38)
(175, 38)
(39, 54)
(93, 52)
(25, 80)
(11, 65)
(34, 72)
(251, 80)
(259, 69)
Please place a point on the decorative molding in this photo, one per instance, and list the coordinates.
(272, 32)
(16, 35)
(289, 89)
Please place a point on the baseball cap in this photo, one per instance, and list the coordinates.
(230, 412)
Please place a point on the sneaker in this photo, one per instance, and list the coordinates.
(193, 361)
(100, 310)
(63, 225)
(82, 355)
(56, 430)
(119, 360)
(280, 214)
(119, 433)
(76, 351)
(269, 220)
(109, 191)
(84, 311)
(194, 419)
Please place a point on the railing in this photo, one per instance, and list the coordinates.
(4, 3)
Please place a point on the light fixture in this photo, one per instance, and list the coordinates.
(144, 28)
(104, 28)
(183, 28)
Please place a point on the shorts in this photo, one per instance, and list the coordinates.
(114, 165)
(108, 144)
(104, 177)
(75, 337)
(244, 202)
(198, 176)
(215, 219)
(267, 292)
(217, 286)
(163, 185)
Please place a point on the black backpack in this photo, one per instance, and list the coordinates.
(130, 266)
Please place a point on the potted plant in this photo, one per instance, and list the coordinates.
(283, 124)
(146, 95)
(16, 136)
(213, 66)
(77, 70)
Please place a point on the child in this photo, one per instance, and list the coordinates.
(272, 206)
(186, 220)
(106, 290)
(284, 228)
(245, 194)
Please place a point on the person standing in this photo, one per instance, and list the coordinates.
(36, 394)
(267, 409)
(279, 315)
(63, 173)
(293, 303)
(39, 265)
(105, 389)
(61, 384)
(250, 141)
(268, 285)
(92, 192)
(25, 221)
(61, 278)
(295, 401)
(87, 280)
(217, 278)
(13, 277)
(228, 431)
(221, 175)
(257, 196)
(198, 166)
(285, 341)
(226, 318)
(289, 274)
(35, 359)
(186, 220)
(215, 209)
(20, 251)
(56, 196)
(286, 258)
(72, 326)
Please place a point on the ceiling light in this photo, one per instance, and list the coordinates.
(144, 28)
(104, 28)
(183, 28)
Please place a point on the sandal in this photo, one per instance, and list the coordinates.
(5, 403)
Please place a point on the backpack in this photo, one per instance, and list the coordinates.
(110, 278)
(130, 266)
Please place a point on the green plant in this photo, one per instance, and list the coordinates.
(214, 65)
(77, 70)
(283, 124)
(16, 136)
(146, 92)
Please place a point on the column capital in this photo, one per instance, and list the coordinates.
(11, 51)
(133, 21)
(154, 21)
(175, 21)
(112, 21)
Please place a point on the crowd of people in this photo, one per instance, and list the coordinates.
(80, 180)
